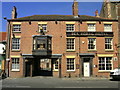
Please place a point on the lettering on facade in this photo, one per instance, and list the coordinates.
(86, 34)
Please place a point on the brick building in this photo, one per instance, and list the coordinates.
(2, 52)
(76, 45)
(111, 9)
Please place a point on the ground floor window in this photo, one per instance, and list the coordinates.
(70, 64)
(15, 64)
(56, 65)
(105, 63)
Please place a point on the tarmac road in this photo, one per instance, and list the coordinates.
(51, 82)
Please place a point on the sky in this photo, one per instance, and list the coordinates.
(45, 8)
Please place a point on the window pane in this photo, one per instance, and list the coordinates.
(15, 63)
(16, 27)
(16, 43)
(69, 27)
(108, 43)
(70, 43)
(70, 64)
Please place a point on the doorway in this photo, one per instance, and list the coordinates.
(86, 69)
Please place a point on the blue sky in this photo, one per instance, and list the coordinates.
(46, 8)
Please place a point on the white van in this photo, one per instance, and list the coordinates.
(115, 74)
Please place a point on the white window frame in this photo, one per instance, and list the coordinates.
(55, 65)
(105, 63)
(94, 43)
(91, 27)
(70, 46)
(70, 28)
(42, 26)
(70, 64)
(15, 67)
(16, 28)
(16, 44)
(111, 43)
(107, 29)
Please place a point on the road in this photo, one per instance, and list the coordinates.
(50, 82)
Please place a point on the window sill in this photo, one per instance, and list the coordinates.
(70, 71)
(15, 50)
(15, 70)
(55, 70)
(103, 71)
(16, 31)
(109, 50)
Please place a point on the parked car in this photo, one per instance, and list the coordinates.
(115, 74)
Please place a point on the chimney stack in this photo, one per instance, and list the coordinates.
(75, 8)
(96, 13)
(14, 12)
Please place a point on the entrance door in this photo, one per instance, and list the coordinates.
(27, 73)
(86, 69)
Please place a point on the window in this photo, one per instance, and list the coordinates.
(16, 28)
(70, 44)
(91, 27)
(15, 44)
(69, 27)
(41, 46)
(105, 63)
(56, 65)
(43, 27)
(108, 43)
(70, 64)
(108, 27)
(91, 43)
(15, 64)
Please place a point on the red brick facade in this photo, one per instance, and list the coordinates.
(29, 65)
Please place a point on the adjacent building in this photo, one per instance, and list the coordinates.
(2, 52)
(71, 45)
(111, 9)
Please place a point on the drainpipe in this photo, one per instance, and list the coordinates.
(8, 48)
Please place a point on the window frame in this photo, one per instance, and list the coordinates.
(70, 30)
(93, 43)
(16, 65)
(19, 28)
(108, 29)
(57, 65)
(16, 45)
(42, 26)
(70, 64)
(111, 44)
(70, 45)
(89, 28)
(105, 60)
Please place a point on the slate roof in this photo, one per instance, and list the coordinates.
(60, 18)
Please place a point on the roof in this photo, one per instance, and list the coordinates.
(60, 18)
(2, 36)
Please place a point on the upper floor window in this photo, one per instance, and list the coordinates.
(42, 27)
(69, 27)
(91, 43)
(15, 64)
(70, 44)
(105, 63)
(16, 28)
(108, 27)
(108, 43)
(70, 64)
(91, 27)
(15, 43)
